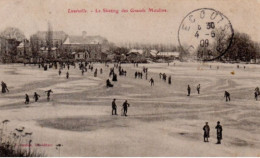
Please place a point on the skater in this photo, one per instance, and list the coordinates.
(188, 89)
(27, 99)
(36, 96)
(135, 74)
(206, 130)
(198, 88)
(59, 72)
(125, 106)
(101, 71)
(114, 107)
(82, 72)
(219, 132)
(109, 83)
(227, 95)
(4, 87)
(257, 90)
(169, 80)
(146, 75)
(67, 75)
(114, 77)
(48, 94)
(95, 73)
(256, 95)
(152, 82)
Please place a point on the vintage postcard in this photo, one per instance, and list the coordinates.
(129, 78)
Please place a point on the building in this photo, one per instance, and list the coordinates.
(154, 53)
(90, 45)
(43, 41)
(135, 55)
(79, 56)
(23, 51)
(173, 55)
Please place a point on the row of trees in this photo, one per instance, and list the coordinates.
(242, 47)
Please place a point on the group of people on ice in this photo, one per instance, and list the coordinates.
(206, 130)
(36, 96)
(123, 110)
(189, 89)
(163, 76)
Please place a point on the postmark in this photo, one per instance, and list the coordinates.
(205, 34)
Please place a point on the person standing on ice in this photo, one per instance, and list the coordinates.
(227, 95)
(82, 72)
(198, 88)
(59, 72)
(114, 107)
(27, 99)
(36, 96)
(48, 94)
(67, 75)
(256, 95)
(188, 89)
(125, 107)
(257, 90)
(169, 80)
(206, 130)
(219, 132)
(152, 82)
(4, 87)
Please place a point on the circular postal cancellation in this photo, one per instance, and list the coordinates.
(205, 34)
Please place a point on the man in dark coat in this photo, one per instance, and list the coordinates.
(27, 99)
(198, 88)
(114, 77)
(152, 82)
(169, 80)
(67, 75)
(219, 132)
(36, 96)
(206, 130)
(4, 87)
(125, 107)
(48, 94)
(109, 83)
(114, 107)
(82, 72)
(227, 95)
(188, 89)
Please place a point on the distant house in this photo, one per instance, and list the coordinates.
(79, 55)
(154, 53)
(51, 39)
(23, 51)
(111, 56)
(135, 55)
(174, 55)
(92, 45)
(45, 52)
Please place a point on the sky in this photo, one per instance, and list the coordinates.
(31, 16)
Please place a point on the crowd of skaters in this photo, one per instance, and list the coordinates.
(125, 105)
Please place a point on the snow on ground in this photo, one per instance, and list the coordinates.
(162, 121)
